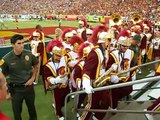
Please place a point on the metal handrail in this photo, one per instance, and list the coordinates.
(121, 111)
(156, 78)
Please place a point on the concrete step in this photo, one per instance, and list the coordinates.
(154, 93)
(130, 116)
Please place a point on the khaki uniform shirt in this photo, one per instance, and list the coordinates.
(18, 68)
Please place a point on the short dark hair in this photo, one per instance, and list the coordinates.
(39, 27)
(137, 38)
(16, 37)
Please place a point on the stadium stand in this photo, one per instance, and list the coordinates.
(81, 7)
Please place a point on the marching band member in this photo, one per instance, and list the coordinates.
(156, 104)
(37, 49)
(135, 46)
(56, 78)
(89, 33)
(83, 51)
(123, 57)
(71, 57)
(39, 30)
(137, 29)
(58, 33)
(66, 36)
(113, 33)
(93, 68)
(147, 31)
(81, 31)
(41, 37)
(154, 50)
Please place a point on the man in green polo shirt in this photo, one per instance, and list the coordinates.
(21, 67)
(135, 46)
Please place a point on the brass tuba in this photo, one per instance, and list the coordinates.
(136, 18)
(116, 19)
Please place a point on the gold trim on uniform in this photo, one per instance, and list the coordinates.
(99, 65)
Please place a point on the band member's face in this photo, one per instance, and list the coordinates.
(75, 47)
(35, 38)
(57, 58)
(80, 25)
(68, 40)
(123, 48)
(107, 43)
(88, 36)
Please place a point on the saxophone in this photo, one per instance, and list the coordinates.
(104, 76)
(121, 78)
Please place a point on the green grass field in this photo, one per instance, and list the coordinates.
(44, 23)
(43, 105)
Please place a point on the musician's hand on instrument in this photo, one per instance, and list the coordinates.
(79, 84)
(88, 89)
(134, 77)
(72, 63)
(114, 66)
(64, 80)
(143, 52)
(87, 85)
(55, 80)
(114, 79)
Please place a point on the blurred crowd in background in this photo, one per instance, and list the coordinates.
(147, 8)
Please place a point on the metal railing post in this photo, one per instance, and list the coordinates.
(156, 78)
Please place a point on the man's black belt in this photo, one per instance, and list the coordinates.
(16, 85)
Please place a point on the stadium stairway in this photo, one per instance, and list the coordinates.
(133, 105)
(138, 100)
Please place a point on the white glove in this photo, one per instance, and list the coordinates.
(134, 77)
(72, 63)
(64, 80)
(88, 89)
(102, 71)
(143, 52)
(114, 66)
(79, 84)
(55, 80)
(87, 85)
(114, 79)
